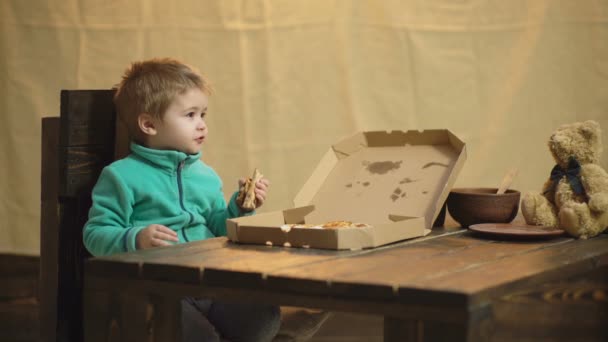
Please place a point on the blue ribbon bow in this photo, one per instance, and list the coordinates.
(572, 174)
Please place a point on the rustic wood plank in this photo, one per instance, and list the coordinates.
(87, 117)
(231, 261)
(72, 253)
(109, 268)
(49, 175)
(163, 253)
(430, 286)
(544, 264)
(19, 276)
(573, 309)
(19, 316)
(80, 167)
(192, 253)
(381, 263)
(361, 291)
(84, 146)
(160, 265)
(388, 258)
(84, 142)
(87, 126)
(253, 275)
(242, 258)
(49, 227)
(453, 240)
(231, 256)
(424, 261)
(121, 145)
(19, 319)
(265, 295)
(129, 265)
(243, 261)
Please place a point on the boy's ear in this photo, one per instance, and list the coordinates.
(146, 124)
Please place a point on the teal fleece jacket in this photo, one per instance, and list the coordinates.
(151, 186)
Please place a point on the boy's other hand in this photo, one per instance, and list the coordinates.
(261, 189)
(155, 235)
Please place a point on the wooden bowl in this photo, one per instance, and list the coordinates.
(482, 205)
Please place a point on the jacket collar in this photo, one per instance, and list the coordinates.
(168, 160)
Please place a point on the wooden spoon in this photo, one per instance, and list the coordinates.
(506, 181)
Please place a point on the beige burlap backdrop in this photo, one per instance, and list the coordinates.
(292, 77)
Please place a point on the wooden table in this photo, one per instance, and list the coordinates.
(452, 285)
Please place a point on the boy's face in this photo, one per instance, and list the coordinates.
(183, 127)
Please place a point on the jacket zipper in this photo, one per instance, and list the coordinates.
(181, 195)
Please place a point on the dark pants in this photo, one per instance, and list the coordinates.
(206, 320)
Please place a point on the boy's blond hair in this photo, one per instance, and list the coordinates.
(150, 86)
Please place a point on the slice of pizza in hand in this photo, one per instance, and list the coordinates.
(246, 197)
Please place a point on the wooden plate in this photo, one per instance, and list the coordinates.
(516, 230)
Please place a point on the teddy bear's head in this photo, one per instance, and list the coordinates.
(581, 140)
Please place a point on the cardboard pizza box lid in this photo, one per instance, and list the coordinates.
(395, 181)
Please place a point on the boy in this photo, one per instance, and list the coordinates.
(162, 193)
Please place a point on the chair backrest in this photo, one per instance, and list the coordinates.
(75, 148)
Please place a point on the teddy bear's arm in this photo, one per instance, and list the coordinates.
(595, 182)
(549, 191)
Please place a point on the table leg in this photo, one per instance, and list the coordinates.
(402, 330)
(120, 317)
(397, 329)
(167, 318)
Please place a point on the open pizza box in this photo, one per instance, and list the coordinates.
(394, 182)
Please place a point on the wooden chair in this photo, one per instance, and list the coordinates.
(75, 147)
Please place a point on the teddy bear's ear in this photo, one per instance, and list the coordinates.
(590, 129)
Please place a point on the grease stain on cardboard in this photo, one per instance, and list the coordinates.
(382, 167)
(398, 193)
(350, 185)
(408, 180)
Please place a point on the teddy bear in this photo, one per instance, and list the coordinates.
(575, 197)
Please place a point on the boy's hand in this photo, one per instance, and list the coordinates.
(261, 188)
(155, 235)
